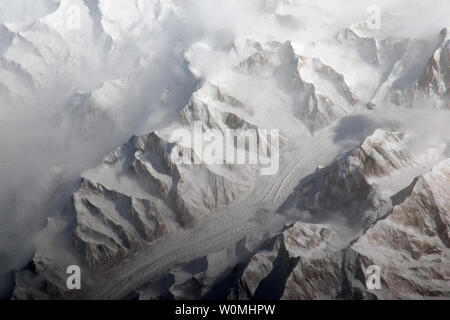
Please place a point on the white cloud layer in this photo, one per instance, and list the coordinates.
(71, 96)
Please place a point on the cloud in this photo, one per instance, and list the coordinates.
(23, 10)
(355, 128)
(111, 79)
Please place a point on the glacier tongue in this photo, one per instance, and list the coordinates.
(140, 222)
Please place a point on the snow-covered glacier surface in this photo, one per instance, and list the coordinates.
(92, 92)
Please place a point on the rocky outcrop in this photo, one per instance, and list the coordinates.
(344, 190)
(110, 225)
(153, 212)
(412, 244)
(319, 93)
(299, 263)
(409, 244)
(435, 80)
(363, 39)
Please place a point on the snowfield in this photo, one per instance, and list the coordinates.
(91, 93)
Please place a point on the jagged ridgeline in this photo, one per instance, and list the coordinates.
(362, 172)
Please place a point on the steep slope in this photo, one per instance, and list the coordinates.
(409, 243)
(146, 166)
(435, 80)
(300, 263)
(164, 215)
(345, 190)
(318, 93)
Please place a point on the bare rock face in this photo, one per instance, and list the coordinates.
(206, 277)
(215, 108)
(143, 216)
(382, 154)
(406, 81)
(410, 245)
(405, 234)
(435, 80)
(344, 188)
(429, 88)
(302, 251)
(110, 224)
(315, 78)
(319, 94)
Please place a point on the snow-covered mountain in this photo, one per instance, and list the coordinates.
(406, 236)
(357, 176)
